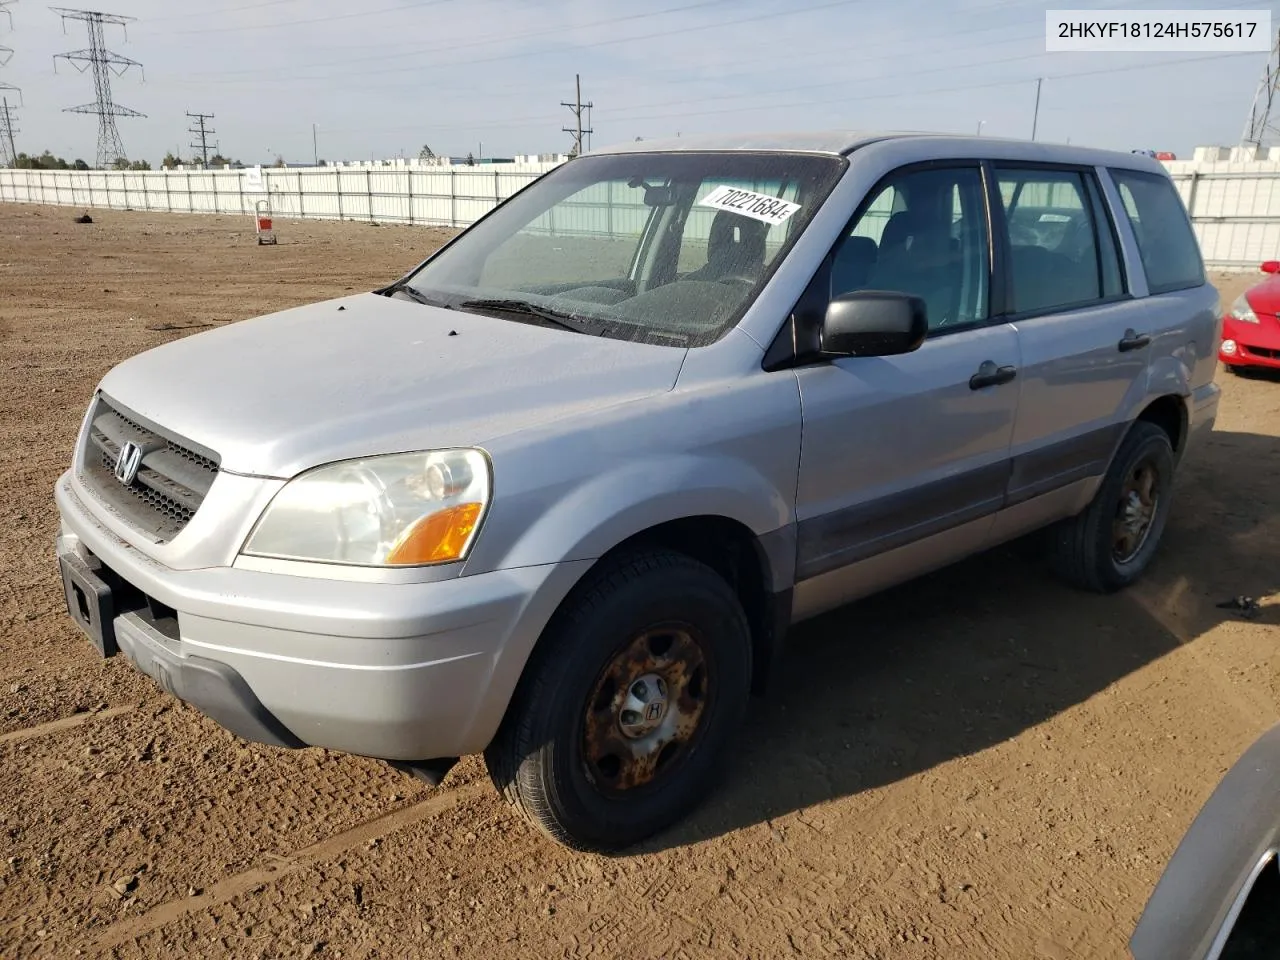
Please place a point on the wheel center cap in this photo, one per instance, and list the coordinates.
(644, 707)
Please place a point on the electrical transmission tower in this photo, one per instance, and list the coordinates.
(6, 53)
(202, 132)
(8, 152)
(1261, 125)
(104, 63)
(7, 155)
(576, 108)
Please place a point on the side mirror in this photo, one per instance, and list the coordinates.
(874, 323)
(1271, 266)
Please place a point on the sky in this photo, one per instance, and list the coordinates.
(384, 77)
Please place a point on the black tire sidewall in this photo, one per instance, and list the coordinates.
(584, 644)
(1146, 441)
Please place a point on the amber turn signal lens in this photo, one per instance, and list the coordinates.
(436, 538)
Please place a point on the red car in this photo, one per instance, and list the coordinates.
(1251, 328)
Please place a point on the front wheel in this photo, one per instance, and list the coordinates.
(1110, 544)
(626, 710)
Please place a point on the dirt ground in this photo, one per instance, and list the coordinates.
(983, 764)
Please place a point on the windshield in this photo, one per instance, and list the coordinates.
(663, 248)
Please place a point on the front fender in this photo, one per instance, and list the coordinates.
(588, 520)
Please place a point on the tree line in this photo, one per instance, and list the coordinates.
(47, 161)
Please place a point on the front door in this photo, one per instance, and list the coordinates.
(905, 460)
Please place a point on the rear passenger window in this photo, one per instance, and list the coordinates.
(1060, 254)
(1166, 243)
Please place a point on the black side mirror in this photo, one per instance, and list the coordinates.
(874, 323)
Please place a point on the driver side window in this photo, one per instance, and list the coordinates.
(924, 232)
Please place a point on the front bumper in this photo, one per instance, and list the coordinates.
(399, 671)
(1254, 344)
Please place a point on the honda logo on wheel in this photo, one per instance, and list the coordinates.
(128, 461)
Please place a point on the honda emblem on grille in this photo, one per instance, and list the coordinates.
(128, 461)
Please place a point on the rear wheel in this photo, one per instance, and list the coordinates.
(1110, 544)
(625, 712)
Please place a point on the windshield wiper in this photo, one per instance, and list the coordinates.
(413, 293)
(568, 321)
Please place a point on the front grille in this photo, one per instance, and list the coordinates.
(172, 479)
(1262, 352)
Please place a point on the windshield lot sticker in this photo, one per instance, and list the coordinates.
(757, 206)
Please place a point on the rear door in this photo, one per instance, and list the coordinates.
(1082, 337)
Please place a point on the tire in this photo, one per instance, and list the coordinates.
(1087, 550)
(565, 755)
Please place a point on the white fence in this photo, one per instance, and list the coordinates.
(1235, 206)
(444, 196)
(1234, 203)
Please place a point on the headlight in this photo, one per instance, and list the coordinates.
(1242, 311)
(400, 510)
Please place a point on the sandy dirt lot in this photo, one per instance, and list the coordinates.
(982, 764)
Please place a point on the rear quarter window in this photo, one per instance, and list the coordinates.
(1170, 255)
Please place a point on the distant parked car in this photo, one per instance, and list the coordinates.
(1219, 897)
(1251, 328)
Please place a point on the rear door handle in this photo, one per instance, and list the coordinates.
(989, 375)
(1133, 341)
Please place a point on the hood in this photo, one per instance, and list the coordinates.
(366, 374)
(1265, 297)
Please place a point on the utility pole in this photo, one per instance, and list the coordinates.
(315, 148)
(104, 64)
(1035, 117)
(202, 132)
(8, 152)
(577, 107)
(1259, 127)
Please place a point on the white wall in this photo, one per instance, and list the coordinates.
(445, 196)
(1234, 204)
(1233, 196)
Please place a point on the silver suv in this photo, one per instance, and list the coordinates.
(557, 494)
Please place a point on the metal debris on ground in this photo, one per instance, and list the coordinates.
(1247, 607)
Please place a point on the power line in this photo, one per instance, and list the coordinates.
(576, 109)
(795, 11)
(202, 132)
(310, 20)
(103, 63)
(219, 11)
(938, 90)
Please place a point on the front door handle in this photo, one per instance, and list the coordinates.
(990, 375)
(1133, 341)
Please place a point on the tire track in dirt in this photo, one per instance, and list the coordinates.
(282, 866)
(66, 723)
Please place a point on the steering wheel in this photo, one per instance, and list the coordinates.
(731, 278)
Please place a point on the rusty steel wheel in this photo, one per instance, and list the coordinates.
(624, 714)
(1110, 544)
(645, 710)
(1135, 511)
